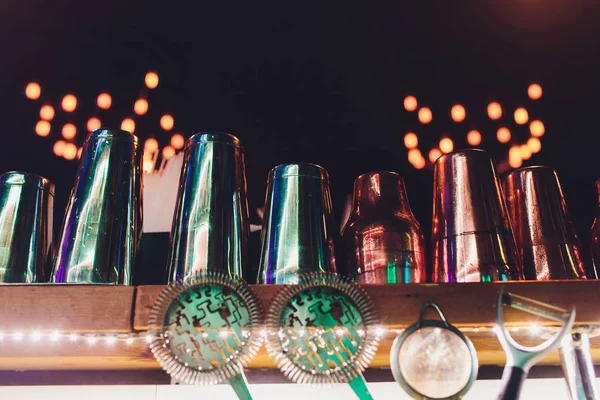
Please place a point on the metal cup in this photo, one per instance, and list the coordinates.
(103, 223)
(210, 228)
(26, 208)
(472, 237)
(383, 240)
(594, 272)
(297, 234)
(546, 239)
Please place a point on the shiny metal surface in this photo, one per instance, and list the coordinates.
(103, 224)
(578, 366)
(26, 210)
(545, 236)
(594, 271)
(297, 234)
(472, 237)
(210, 228)
(383, 240)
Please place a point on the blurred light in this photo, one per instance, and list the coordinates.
(534, 145)
(514, 157)
(166, 122)
(434, 154)
(18, 336)
(147, 166)
(420, 164)
(140, 107)
(151, 145)
(47, 112)
(379, 332)
(42, 128)
(425, 115)
(494, 110)
(537, 128)
(128, 125)
(91, 340)
(414, 155)
(73, 337)
(111, 340)
(148, 338)
(55, 336)
(534, 329)
(104, 101)
(410, 103)
(93, 124)
(177, 141)
(446, 145)
(36, 336)
(521, 116)
(503, 135)
(59, 148)
(69, 103)
(70, 151)
(411, 140)
(79, 150)
(151, 80)
(69, 131)
(458, 113)
(129, 340)
(534, 91)
(474, 138)
(525, 152)
(168, 152)
(33, 91)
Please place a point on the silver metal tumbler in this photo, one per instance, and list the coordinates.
(210, 228)
(26, 208)
(297, 234)
(103, 224)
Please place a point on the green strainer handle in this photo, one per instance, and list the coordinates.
(359, 386)
(240, 386)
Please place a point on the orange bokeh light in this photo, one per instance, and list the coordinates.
(537, 128)
(521, 116)
(93, 124)
(69, 103)
(425, 115)
(70, 151)
(167, 122)
(446, 145)
(47, 112)
(534, 145)
(42, 128)
(33, 91)
(525, 152)
(411, 140)
(177, 141)
(534, 91)
(59, 148)
(168, 152)
(140, 107)
(410, 103)
(458, 113)
(147, 166)
(104, 101)
(434, 154)
(494, 110)
(128, 125)
(503, 135)
(151, 79)
(420, 164)
(151, 145)
(474, 138)
(69, 131)
(514, 157)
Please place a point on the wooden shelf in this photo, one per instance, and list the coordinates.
(120, 309)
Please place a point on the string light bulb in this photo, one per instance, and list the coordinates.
(425, 115)
(69, 131)
(140, 107)
(93, 124)
(446, 145)
(151, 145)
(494, 110)
(503, 135)
(534, 91)
(534, 145)
(458, 113)
(59, 148)
(104, 101)
(151, 80)
(525, 152)
(42, 128)
(521, 116)
(420, 164)
(70, 151)
(168, 152)
(537, 128)
(47, 112)
(411, 140)
(414, 155)
(514, 157)
(69, 103)
(147, 166)
(33, 91)
(434, 154)
(410, 103)
(177, 141)
(474, 138)
(128, 125)
(167, 122)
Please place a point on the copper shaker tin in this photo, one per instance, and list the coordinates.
(595, 239)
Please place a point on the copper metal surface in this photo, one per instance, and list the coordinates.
(383, 240)
(595, 240)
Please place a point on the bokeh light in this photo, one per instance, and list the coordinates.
(425, 115)
(525, 152)
(494, 110)
(434, 154)
(458, 113)
(411, 140)
(167, 122)
(446, 145)
(42, 128)
(147, 166)
(104, 101)
(414, 155)
(33, 91)
(410, 103)
(168, 152)
(534, 91)
(420, 163)
(47, 112)
(474, 138)
(521, 116)
(177, 141)
(151, 80)
(69, 104)
(69, 131)
(534, 145)
(59, 148)
(537, 128)
(93, 124)
(151, 145)
(140, 107)
(514, 157)
(503, 135)
(70, 151)
(128, 125)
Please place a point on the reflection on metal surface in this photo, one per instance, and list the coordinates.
(26, 208)
(578, 366)
(595, 240)
(103, 223)
(210, 229)
(545, 235)
(298, 229)
(383, 240)
(472, 237)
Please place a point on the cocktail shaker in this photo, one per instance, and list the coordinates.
(103, 224)
(383, 240)
(298, 231)
(472, 236)
(210, 228)
(594, 272)
(26, 210)
(546, 239)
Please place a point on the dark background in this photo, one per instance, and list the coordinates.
(319, 82)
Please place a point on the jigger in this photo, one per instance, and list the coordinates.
(546, 239)
(472, 236)
(383, 240)
(210, 229)
(297, 233)
(26, 208)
